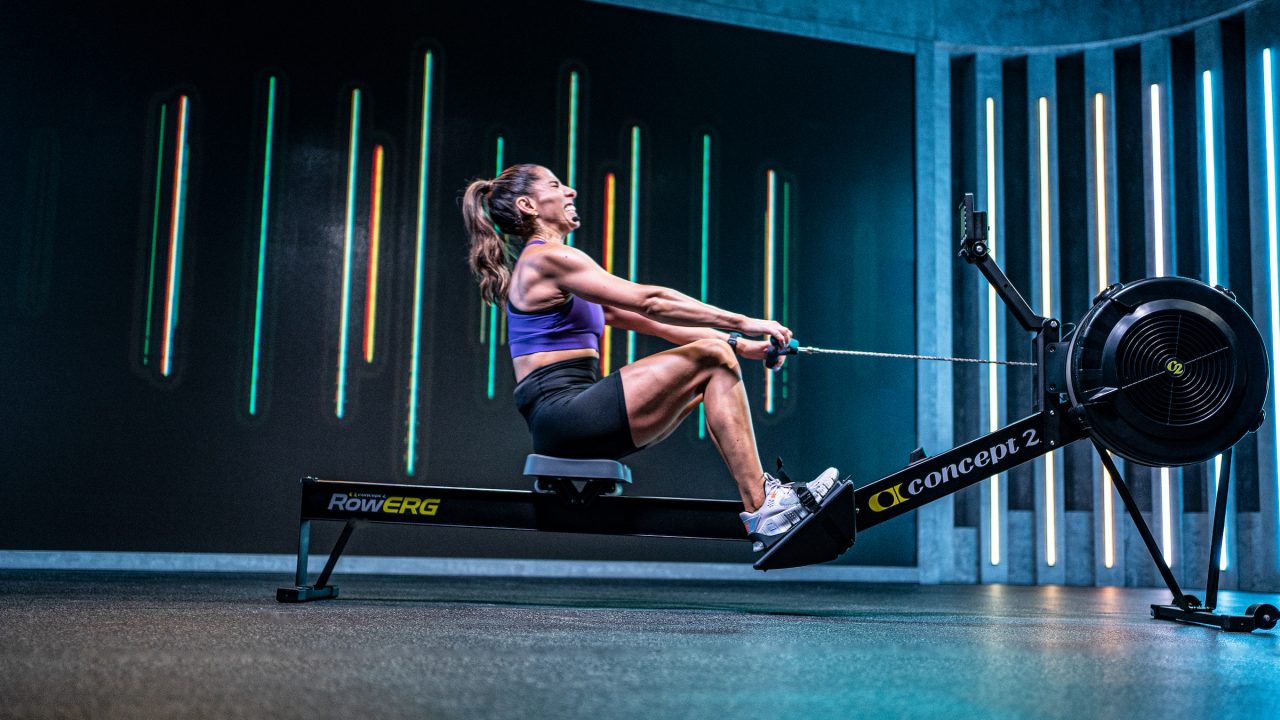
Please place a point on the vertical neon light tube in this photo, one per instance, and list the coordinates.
(175, 238)
(771, 202)
(375, 248)
(993, 341)
(1157, 206)
(1269, 129)
(492, 310)
(573, 137)
(1211, 179)
(415, 343)
(1157, 182)
(1046, 300)
(262, 247)
(1211, 205)
(633, 226)
(610, 201)
(155, 232)
(786, 269)
(1100, 201)
(704, 238)
(353, 146)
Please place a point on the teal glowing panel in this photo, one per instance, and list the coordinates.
(704, 226)
(262, 247)
(572, 175)
(344, 322)
(155, 232)
(492, 310)
(420, 239)
(633, 229)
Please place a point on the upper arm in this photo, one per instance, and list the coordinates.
(574, 271)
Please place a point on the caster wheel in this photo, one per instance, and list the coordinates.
(1264, 615)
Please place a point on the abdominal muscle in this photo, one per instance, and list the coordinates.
(526, 364)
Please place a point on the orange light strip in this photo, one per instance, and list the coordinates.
(610, 196)
(175, 239)
(375, 236)
(770, 202)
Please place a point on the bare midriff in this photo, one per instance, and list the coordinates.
(526, 364)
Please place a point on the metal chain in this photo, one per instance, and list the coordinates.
(864, 353)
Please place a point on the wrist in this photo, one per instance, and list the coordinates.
(733, 339)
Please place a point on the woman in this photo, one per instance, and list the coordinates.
(558, 301)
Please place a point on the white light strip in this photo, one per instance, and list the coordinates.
(993, 340)
(1046, 289)
(1157, 209)
(1157, 181)
(1211, 179)
(1046, 302)
(1217, 475)
(1166, 512)
(1211, 203)
(1268, 105)
(1100, 185)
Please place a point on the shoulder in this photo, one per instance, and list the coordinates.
(556, 259)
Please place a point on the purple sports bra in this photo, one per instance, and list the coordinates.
(575, 324)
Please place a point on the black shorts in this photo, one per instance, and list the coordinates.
(572, 413)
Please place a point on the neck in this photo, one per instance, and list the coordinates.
(544, 237)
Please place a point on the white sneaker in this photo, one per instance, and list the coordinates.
(821, 486)
(780, 512)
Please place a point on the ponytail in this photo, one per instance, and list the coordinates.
(490, 257)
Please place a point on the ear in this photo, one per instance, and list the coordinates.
(525, 204)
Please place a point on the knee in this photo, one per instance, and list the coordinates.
(716, 354)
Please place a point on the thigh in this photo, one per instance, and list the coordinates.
(662, 389)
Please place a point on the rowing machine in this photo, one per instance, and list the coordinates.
(1163, 371)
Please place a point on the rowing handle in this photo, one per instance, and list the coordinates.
(776, 350)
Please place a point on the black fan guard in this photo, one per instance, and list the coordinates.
(1167, 371)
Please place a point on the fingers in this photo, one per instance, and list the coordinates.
(781, 333)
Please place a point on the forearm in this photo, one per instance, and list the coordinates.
(675, 334)
(670, 307)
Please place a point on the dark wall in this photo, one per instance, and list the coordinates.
(104, 451)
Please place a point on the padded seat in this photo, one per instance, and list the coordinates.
(545, 466)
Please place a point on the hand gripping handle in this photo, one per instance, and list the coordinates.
(776, 350)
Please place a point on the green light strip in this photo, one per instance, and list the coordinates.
(573, 136)
(705, 241)
(155, 229)
(786, 271)
(493, 309)
(353, 148)
(633, 228)
(262, 247)
(411, 454)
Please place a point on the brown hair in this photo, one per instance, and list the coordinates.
(490, 214)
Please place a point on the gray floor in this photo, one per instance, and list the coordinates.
(112, 645)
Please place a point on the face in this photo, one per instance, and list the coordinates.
(553, 203)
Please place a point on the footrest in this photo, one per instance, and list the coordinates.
(305, 593)
(823, 536)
